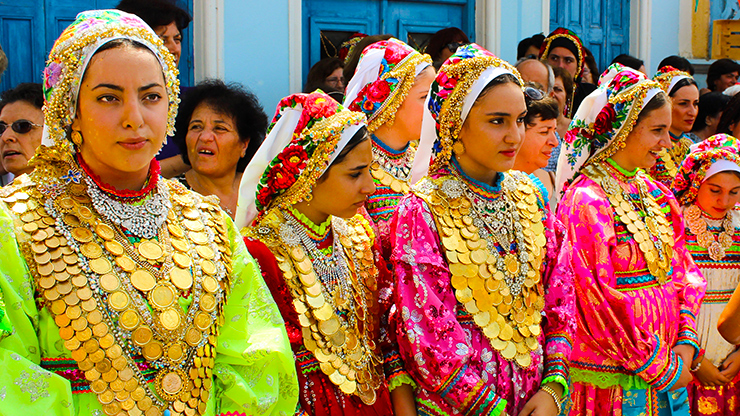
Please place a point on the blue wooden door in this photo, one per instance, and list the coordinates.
(327, 23)
(28, 29)
(603, 25)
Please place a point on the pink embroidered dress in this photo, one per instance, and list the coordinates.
(457, 368)
(627, 321)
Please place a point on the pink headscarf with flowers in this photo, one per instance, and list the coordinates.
(603, 121)
(385, 73)
(307, 133)
(716, 154)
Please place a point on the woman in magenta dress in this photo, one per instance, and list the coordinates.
(484, 319)
(300, 196)
(637, 289)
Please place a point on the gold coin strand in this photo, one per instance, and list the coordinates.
(654, 235)
(717, 249)
(386, 179)
(345, 348)
(85, 326)
(393, 173)
(511, 323)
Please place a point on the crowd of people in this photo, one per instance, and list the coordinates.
(433, 232)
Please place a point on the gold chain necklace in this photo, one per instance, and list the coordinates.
(717, 249)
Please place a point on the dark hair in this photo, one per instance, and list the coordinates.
(350, 64)
(442, 38)
(590, 62)
(157, 13)
(628, 60)
(658, 101)
(682, 83)
(730, 116)
(678, 62)
(360, 136)
(319, 72)
(535, 40)
(30, 92)
(499, 80)
(567, 78)
(711, 104)
(230, 99)
(545, 109)
(719, 68)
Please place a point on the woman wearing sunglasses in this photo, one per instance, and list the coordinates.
(484, 325)
(21, 121)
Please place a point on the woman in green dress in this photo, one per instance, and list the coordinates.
(124, 293)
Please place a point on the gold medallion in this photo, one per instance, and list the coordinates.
(129, 319)
(181, 278)
(109, 282)
(142, 335)
(208, 302)
(181, 260)
(142, 280)
(202, 321)
(208, 267)
(118, 300)
(193, 337)
(152, 351)
(161, 296)
(210, 284)
(150, 250)
(114, 247)
(100, 265)
(170, 319)
(105, 232)
(170, 382)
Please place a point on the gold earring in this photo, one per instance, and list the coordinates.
(458, 148)
(76, 138)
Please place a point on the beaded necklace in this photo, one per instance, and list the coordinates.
(391, 167)
(697, 223)
(124, 195)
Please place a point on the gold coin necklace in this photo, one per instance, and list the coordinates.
(391, 168)
(717, 249)
(654, 235)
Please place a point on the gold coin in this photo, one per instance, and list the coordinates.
(205, 252)
(100, 330)
(150, 250)
(107, 341)
(524, 360)
(208, 267)
(114, 247)
(83, 235)
(170, 319)
(142, 335)
(42, 258)
(100, 265)
(129, 319)
(210, 284)
(47, 282)
(162, 296)
(193, 225)
(512, 264)
(181, 260)
(193, 337)
(45, 269)
(190, 213)
(84, 335)
(172, 383)
(324, 312)
(71, 299)
(74, 312)
(180, 245)
(482, 319)
(152, 351)
(175, 229)
(198, 237)
(208, 302)
(105, 231)
(118, 300)
(126, 263)
(181, 278)
(109, 282)
(329, 326)
(84, 293)
(202, 321)
(142, 280)
(53, 242)
(308, 279)
(175, 351)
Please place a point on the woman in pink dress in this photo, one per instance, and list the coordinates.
(485, 322)
(637, 289)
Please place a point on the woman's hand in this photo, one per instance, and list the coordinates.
(542, 403)
(686, 353)
(730, 366)
(709, 375)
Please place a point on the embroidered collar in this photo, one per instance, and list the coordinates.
(481, 189)
(317, 233)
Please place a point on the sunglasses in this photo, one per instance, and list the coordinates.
(18, 126)
(533, 94)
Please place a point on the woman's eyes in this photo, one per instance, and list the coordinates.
(153, 97)
(107, 98)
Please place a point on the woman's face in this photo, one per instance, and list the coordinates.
(725, 81)
(646, 140)
(586, 75)
(563, 58)
(172, 39)
(493, 131)
(344, 188)
(122, 111)
(336, 80)
(409, 114)
(214, 146)
(685, 104)
(18, 148)
(559, 94)
(539, 140)
(719, 193)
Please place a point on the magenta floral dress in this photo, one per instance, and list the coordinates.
(622, 363)
(446, 352)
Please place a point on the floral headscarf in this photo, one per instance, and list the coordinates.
(716, 154)
(669, 76)
(382, 80)
(603, 121)
(565, 38)
(71, 55)
(458, 84)
(307, 133)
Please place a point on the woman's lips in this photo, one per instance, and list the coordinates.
(133, 144)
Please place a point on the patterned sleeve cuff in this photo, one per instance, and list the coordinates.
(485, 403)
(395, 371)
(470, 395)
(557, 368)
(670, 374)
(687, 332)
(663, 367)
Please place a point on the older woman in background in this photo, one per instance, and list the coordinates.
(220, 127)
(21, 121)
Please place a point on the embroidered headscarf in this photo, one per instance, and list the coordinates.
(565, 38)
(603, 121)
(716, 154)
(71, 55)
(452, 94)
(382, 80)
(669, 76)
(307, 133)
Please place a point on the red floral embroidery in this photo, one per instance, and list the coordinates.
(604, 120)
